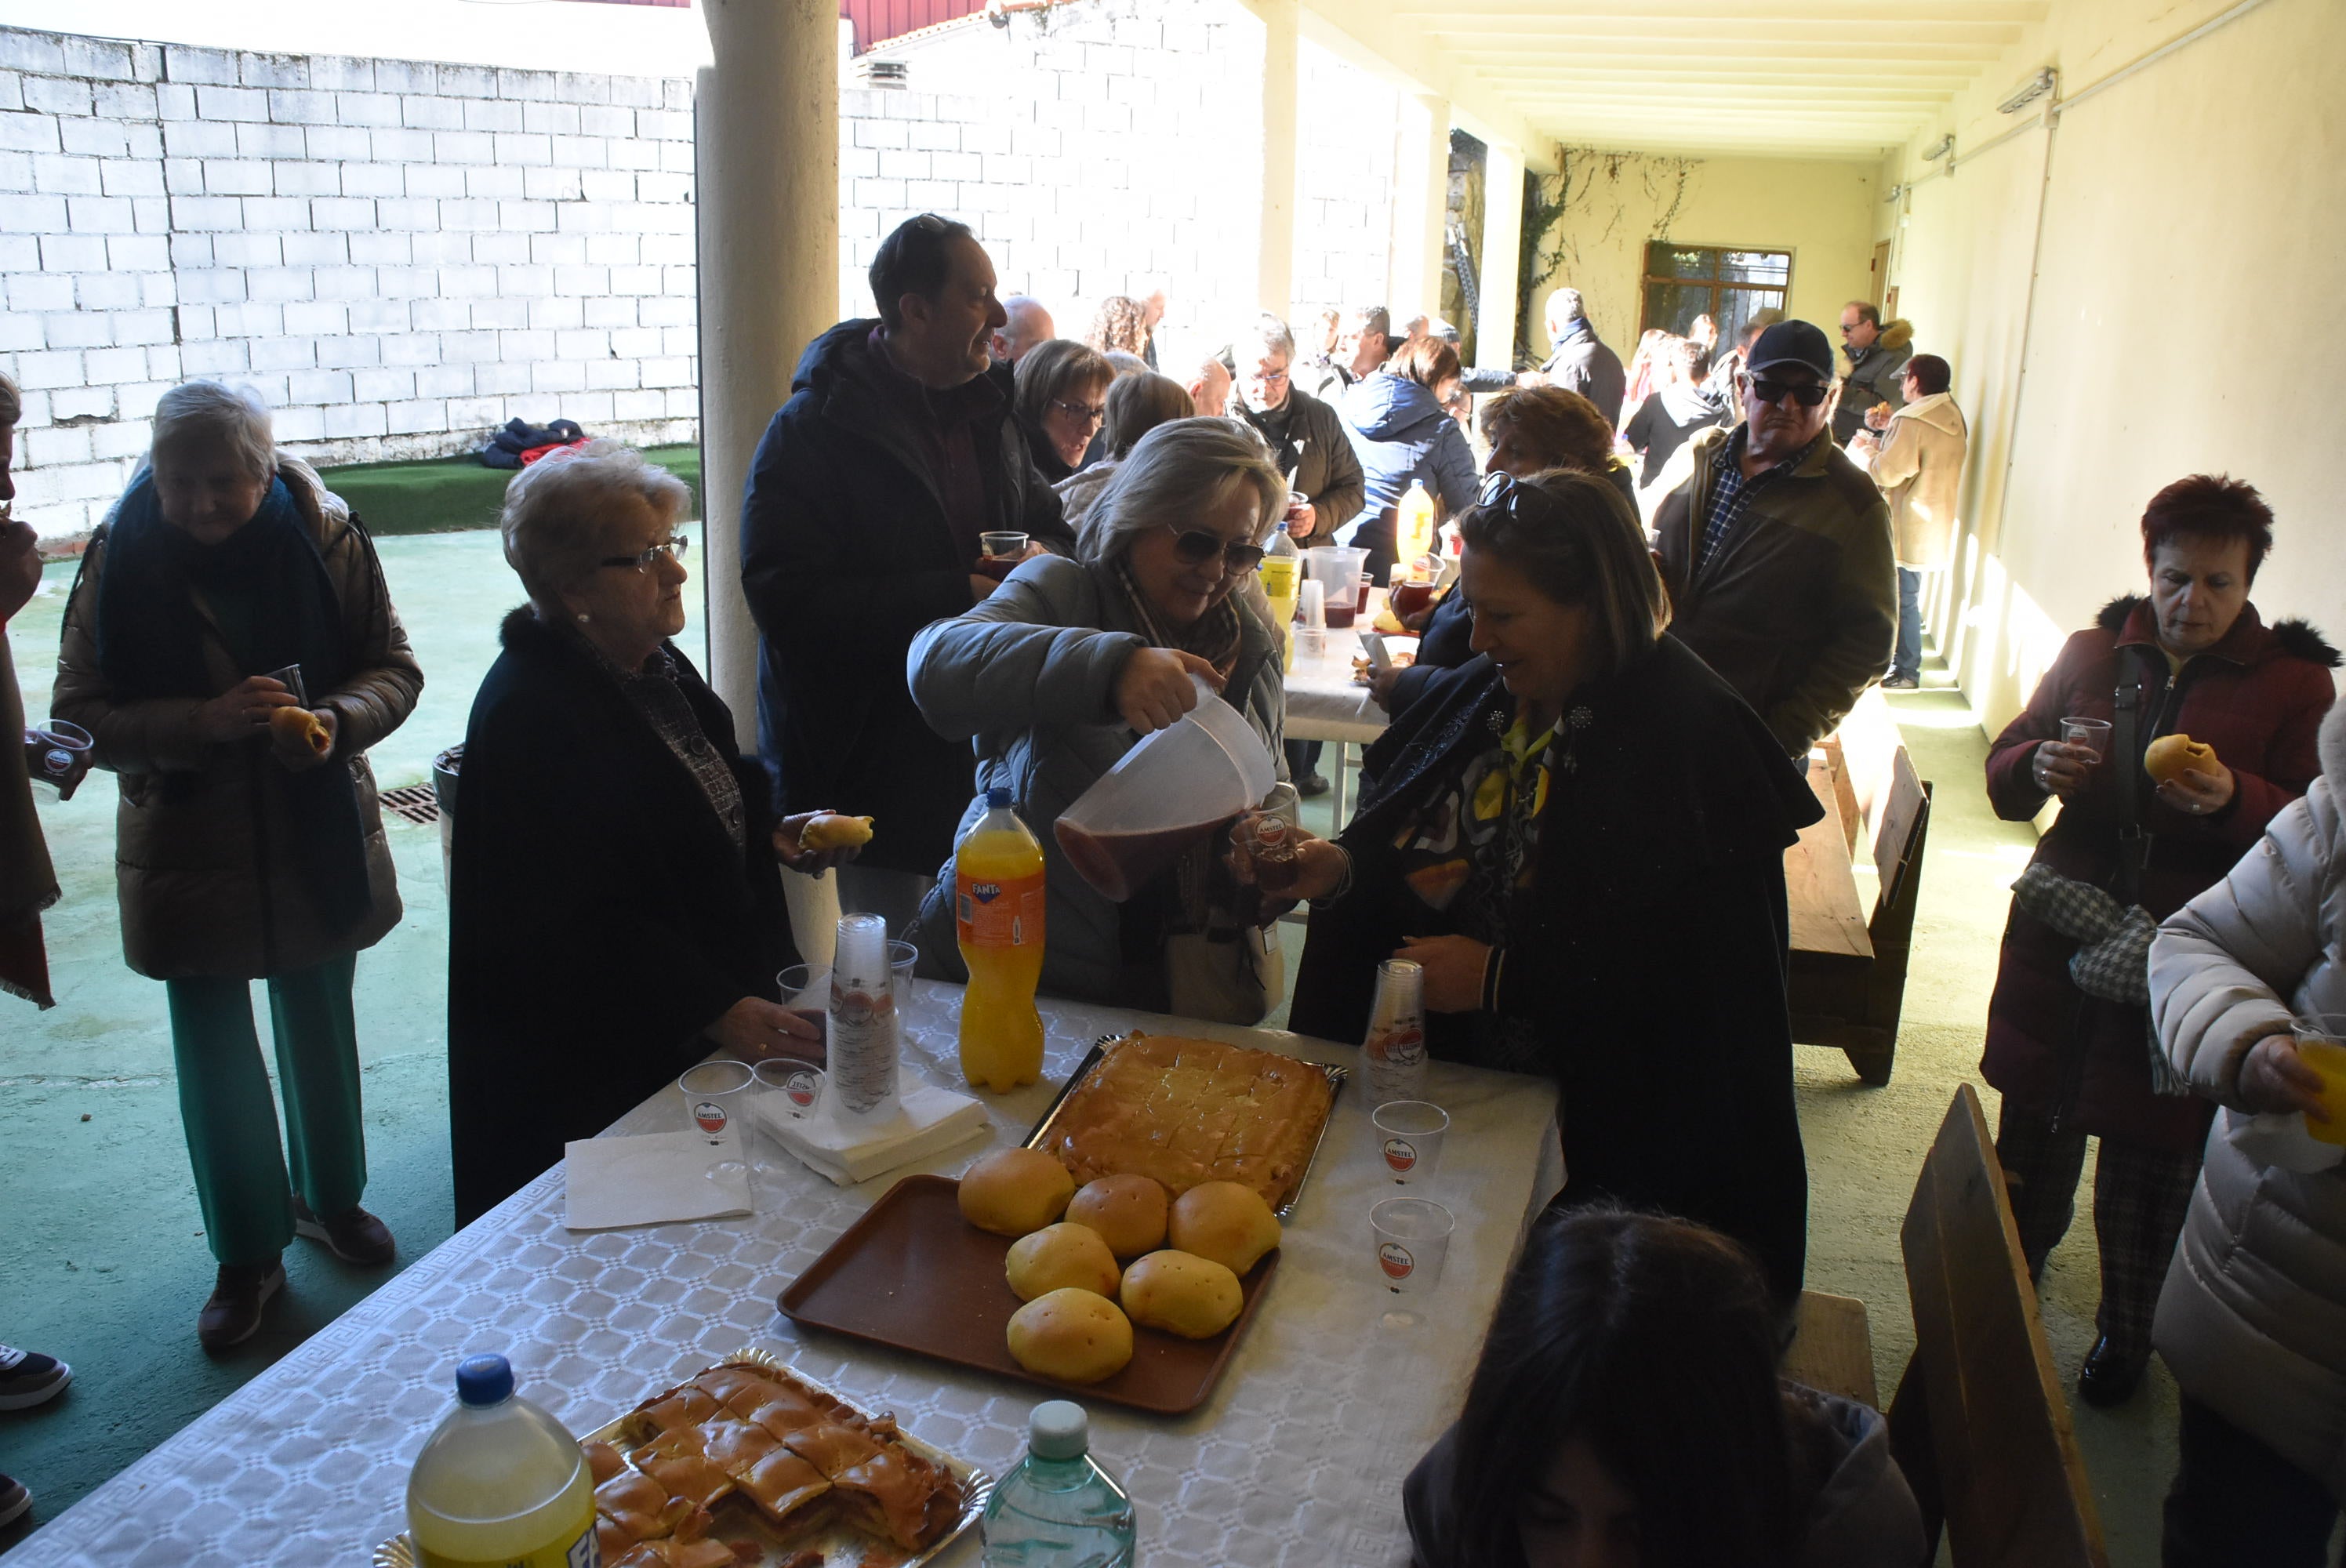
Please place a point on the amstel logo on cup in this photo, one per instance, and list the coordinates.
(1401, 1154)
(710, 1115)
(1395, 1260)
(800, 1086)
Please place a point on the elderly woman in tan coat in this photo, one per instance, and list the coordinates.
(232, 647)
(1918, 463)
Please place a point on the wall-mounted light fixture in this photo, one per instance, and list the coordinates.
(1940, 149)
(2036, 87)
(883, 75)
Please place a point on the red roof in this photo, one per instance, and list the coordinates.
(877, 21)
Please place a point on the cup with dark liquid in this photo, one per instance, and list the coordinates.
(1407, 599)
(1002, 551)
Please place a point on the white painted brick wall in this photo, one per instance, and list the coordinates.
(400, 255)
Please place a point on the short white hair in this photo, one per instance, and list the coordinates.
(1564, 305)
(1171, 475)
(557, 509)
(214, 416)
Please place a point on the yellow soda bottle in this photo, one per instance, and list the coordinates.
(500, 1484)
(998, 907)
(1414, 535)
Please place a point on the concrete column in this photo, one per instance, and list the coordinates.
(1503, 237)
(1282, 66)
(766, 169)
(1421, 196)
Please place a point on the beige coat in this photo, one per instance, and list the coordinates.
(1919, 469)
(201, 893)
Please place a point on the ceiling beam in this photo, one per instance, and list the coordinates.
(1844, 38)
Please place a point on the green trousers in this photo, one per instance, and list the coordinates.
(231, 1115)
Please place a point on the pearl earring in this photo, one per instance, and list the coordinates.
(582, 615)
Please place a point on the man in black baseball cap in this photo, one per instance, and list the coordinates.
(1777, 548)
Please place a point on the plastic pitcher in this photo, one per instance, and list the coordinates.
(1337, 568)
(1164, 795)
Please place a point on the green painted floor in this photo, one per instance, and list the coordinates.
(106, 1266)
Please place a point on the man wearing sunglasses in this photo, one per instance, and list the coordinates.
(1777, 551)
(867, 499)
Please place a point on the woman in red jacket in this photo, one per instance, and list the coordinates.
(2192, 659)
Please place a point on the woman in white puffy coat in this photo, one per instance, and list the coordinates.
(2252, 1320)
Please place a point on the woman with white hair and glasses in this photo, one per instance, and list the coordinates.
(1578, 835)
(614, 909)
(1070, 663)
(231, 644)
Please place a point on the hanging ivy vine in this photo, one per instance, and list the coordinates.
(1584, 179)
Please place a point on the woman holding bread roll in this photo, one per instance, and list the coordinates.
(2193, 658)
(1579, 835)
(614, 911)
(249, 845)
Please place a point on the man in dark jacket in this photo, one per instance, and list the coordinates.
(1777, 549)
(1581, 361)
(860, 526)
(1877, 356)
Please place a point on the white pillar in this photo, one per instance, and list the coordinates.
(766, 168)
(1420, 197)
(1281, 64)
(1503, 238)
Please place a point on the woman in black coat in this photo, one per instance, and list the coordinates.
(1579, 836)
(614, 907)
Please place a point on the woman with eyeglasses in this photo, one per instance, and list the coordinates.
(615, 912)
(1063, 669)
(1579, 837)
(1061, 402)
(232, 647)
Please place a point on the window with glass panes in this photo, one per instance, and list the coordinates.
(1730, 286)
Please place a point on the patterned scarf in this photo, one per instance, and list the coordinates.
(1215, 638)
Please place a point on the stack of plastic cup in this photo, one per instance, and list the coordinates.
(863, 1067)
(1311, 636)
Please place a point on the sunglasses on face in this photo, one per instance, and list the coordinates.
(1807, 395)
(1194, 546)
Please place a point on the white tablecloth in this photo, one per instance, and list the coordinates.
(1323, 703)
(1297, 1458)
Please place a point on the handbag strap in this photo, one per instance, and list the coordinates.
(2127, 716)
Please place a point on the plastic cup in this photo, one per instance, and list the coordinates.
(2093, 734)
(60, 752)
(2321, 1042)
(716, 1097)
(806, 991)
(790, 1087)
(1337, 569)
(1003, 545)
(1409, 1139)
(1412, 1237)
(289, 677)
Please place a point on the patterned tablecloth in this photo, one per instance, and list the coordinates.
(1297, 1458)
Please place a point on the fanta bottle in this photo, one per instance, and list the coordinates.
(998, 904)
(1414, 530)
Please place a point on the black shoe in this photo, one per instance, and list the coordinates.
(28, 1378)
(233, 1314)
(1309, 785)
(1901, 683)
(2109, 1377)
(355, 1235)
(13, 1500)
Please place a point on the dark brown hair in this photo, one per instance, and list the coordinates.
(1562, 428)
(917, 259)
(2212, 506)
(1574, 539)
(1139, 404)
(1428, 362)
(1931, 374)
(1653, 1341)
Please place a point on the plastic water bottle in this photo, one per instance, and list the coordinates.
(500, 1482)
(1057, 1509)
(1394, 1050)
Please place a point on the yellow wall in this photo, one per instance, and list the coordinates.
(2189, 251)
(1823, 213)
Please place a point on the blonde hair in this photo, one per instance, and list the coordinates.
(556, 510)
(1176, 472)
(1119, 323)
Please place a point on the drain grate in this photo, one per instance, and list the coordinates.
(415, 803)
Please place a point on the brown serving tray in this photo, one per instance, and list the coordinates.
(915, 1275)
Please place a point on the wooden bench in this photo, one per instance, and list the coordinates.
(1844, 999)
(1979, 1423)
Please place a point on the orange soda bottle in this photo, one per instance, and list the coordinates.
(998, 907)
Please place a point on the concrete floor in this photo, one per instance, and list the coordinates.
(107, 1267)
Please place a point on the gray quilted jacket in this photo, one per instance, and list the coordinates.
(1029, 678)
(2250, 1319)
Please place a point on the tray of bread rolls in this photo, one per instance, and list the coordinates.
(750, 1465)
(1186, 1111)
